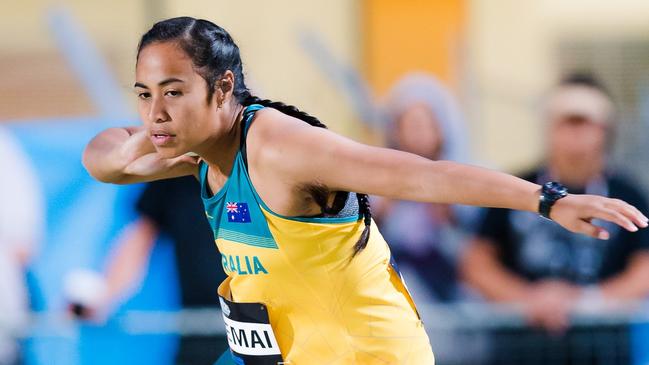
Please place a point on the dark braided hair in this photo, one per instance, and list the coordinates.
(213, 52)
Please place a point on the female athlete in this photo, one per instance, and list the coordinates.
(310, 279)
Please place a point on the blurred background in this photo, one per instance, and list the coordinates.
(467, 80)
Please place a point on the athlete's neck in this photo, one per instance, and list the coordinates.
(220, 152)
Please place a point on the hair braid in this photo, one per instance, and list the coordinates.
(284, 108)
(363, 199)
(364, 208)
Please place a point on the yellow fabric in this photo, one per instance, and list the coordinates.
(324, 307)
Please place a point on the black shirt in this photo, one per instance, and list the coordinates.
(537, 248)
(175, 206)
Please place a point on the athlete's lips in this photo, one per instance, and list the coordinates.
(161, 137)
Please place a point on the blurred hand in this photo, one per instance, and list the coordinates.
(575, 213)
(87, 295)
(548, 305)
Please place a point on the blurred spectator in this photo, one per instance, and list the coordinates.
(171, 207)
(21, 229)
(425, 238)
(520, 257)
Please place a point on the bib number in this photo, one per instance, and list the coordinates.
(250, 336)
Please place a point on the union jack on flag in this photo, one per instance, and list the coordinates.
(232, 207)
(237, 212)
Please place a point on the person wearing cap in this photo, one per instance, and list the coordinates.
(526, 259)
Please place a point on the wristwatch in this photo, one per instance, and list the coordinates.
(550, 193)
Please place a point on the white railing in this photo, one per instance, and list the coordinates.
(460, 333)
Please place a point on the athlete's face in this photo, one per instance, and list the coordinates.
(418, 132)
(173, 101)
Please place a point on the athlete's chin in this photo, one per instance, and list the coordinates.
(170, 151)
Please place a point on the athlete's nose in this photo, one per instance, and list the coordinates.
(157, 111)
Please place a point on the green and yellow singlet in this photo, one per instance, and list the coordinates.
(294, 293)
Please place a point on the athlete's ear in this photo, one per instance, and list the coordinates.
(224, 88)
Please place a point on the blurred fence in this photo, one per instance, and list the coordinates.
(472, 333)
(464, 333)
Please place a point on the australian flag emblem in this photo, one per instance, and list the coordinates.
(237, 212)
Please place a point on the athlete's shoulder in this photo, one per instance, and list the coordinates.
(271, 129)
(269, 120)
(281, 146)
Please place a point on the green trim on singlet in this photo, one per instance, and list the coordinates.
(236, 189)
(332, 220)
(246, 238)
(253, 231)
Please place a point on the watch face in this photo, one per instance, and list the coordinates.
(550, 193)
(555, 189)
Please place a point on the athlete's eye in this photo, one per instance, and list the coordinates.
(173, 93)
(144, 95)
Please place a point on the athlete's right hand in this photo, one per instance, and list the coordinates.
(144, 161)
(126, 155)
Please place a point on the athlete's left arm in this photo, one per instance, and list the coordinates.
(308, 155)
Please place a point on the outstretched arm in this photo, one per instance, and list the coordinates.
(342, 164)
(126, 155)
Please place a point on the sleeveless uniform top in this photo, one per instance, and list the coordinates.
(323, 306)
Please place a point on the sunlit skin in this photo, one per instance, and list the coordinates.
(286, 156)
